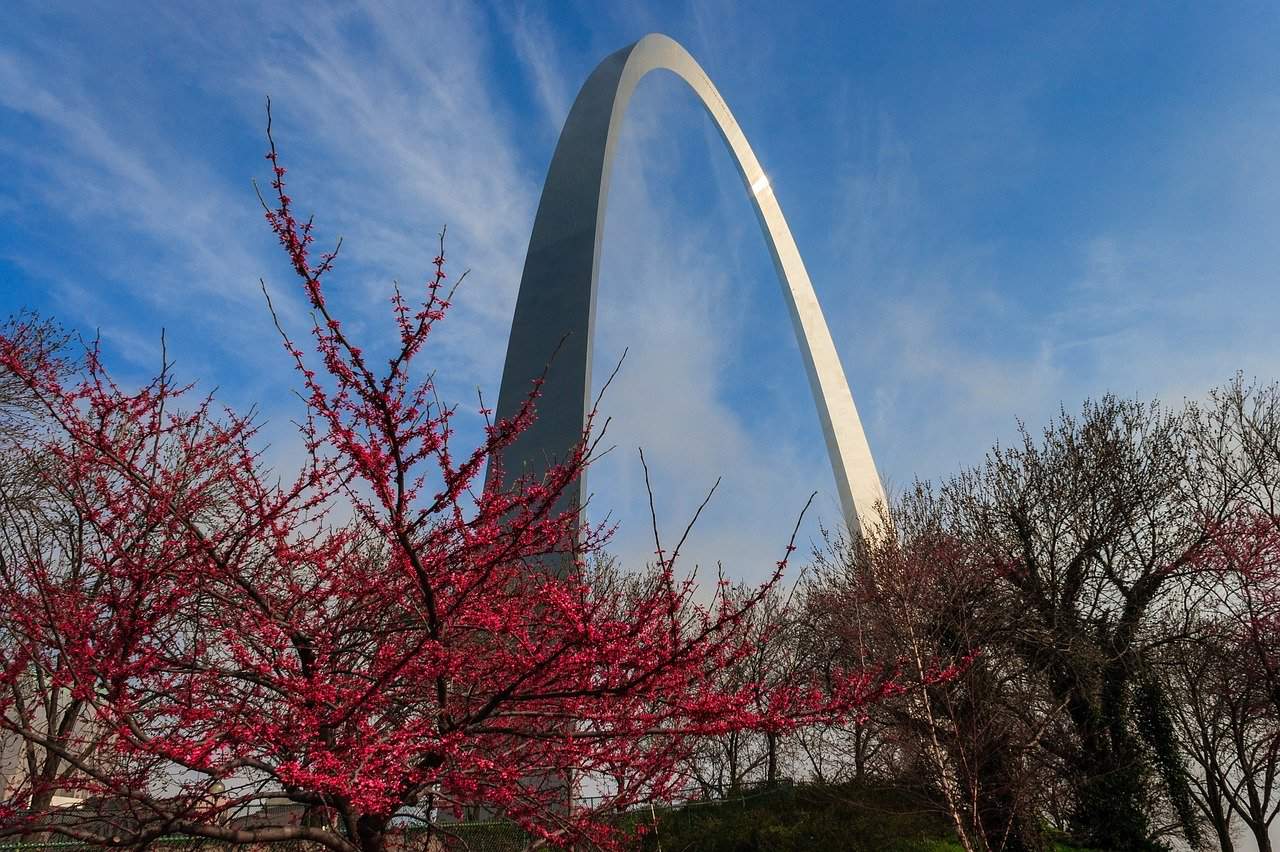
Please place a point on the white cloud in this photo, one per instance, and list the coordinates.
(538, 52)
(395, 121)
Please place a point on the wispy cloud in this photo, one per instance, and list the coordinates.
(146, 216)
(537, 49)
(394, 123)
(915, 182)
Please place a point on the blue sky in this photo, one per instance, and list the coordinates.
(1003, 211)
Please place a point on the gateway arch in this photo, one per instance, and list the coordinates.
(555, 310)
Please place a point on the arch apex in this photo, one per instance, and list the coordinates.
(555, 307)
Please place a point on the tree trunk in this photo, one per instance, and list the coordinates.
(1006, 825)
(1109, 786)
(41, 803)
(771, 768)
(1261, 836)
(733, 762)
(1222, 829)
(1219, 816)
(371, 833)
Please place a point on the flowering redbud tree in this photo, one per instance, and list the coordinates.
(366, 641)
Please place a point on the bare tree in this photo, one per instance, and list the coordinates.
(727, 763)
(918, 594)
(1091, 527)
(1227, 672)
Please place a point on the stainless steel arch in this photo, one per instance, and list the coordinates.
(556, 304)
